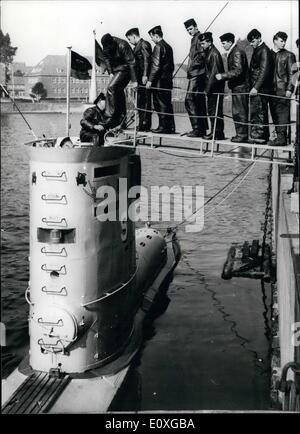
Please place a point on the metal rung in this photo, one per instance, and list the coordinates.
(61, 252)
(60, 222)
(52, 198)
(59, 176)
(61, 291)
(36, 394)
(61, 270)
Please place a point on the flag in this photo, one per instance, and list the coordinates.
(99, 58)
(80, 66)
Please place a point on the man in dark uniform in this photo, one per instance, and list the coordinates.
(237, 76)
(161, 77)
(92, 129)
(213, 66)
(195, 103)
(284, 62)
(120, 64)
(261, 77)
(142, 52)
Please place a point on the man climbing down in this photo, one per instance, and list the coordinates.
(120, 64)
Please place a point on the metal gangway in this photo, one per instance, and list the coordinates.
(178, 144)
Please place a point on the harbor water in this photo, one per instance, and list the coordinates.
(207, 346)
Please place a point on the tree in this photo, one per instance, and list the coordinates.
(7, 53)
(38, 91)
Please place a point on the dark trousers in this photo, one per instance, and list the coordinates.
(97, 138)
(259, 116)
(144, 97)
(195, 104)
(162, 101)
(240, 114)
(115, 108)
(211, 108)
(280, 111)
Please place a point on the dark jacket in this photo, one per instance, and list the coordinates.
(213, 65)
(142, 53)
(120, 58)
(261, 69)
(92, 116)
(196, 65)
(162, 62)
(284, 65)
(237, 74)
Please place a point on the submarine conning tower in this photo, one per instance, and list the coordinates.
(82, 289)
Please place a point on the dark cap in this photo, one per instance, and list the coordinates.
(228, 37)
(133, 31)
(155, 30)
(100, 97)
(207, 36)
(107, 40)
(254, 34)
(281, 35)
(190, 22)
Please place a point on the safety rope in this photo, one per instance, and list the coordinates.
(220, 93)
(215, 117)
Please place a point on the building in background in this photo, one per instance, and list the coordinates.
(51, 71)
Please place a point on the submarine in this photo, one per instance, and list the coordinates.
(92, 280)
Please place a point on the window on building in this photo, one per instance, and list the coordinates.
(59, 70)
(59, 90)
(54, 80)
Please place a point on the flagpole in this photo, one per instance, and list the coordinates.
(68, 90)
(93, 86)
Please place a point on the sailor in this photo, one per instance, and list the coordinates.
(237, 76)
(142, 52)
(195, 103)
(284, 62)
(213, 66)
(120, 64)
(161, 78)
(92, 129)
(261, 76)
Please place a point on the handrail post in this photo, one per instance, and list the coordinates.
(215, 124)
(249, 116)
(135, 115)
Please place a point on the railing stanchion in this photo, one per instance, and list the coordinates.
(135, 116)
(249, 116)
(215, 125)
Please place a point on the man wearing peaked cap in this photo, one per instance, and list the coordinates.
(213, 66)
(195, 103)
(155, 29)
(283, 85)
(261, 77)
(207, 36)
(161, 78)
(92, 129)
(237, 76)
(142, 52)
(120, 64)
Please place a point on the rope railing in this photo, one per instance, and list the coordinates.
(215, 116)
(219, 93)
